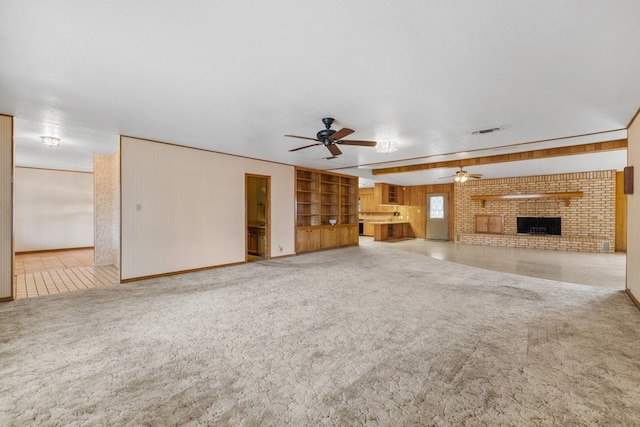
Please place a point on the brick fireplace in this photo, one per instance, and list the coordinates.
(586, 216)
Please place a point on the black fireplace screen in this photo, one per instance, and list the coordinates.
(539, 225)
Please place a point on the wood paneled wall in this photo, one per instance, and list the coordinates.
(416, 197)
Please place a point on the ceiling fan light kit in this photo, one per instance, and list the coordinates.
(329, 138)
(462, 176)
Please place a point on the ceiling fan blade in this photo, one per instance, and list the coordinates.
(355, 142)
(302, 137)
(334, 150)
(342, 133)
(474, 175)
(447, 177)
(306, 146)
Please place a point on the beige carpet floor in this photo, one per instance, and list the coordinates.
(356, 336)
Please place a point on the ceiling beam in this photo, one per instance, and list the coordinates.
(572, 150)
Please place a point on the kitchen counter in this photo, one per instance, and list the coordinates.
(388, 230)
(388, 222)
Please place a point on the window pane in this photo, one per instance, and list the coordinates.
(436, 207)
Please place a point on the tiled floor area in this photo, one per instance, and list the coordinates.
(606, 270)
(46, 273)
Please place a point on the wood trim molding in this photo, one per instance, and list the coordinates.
(174, 273)
(571, 150)
(633, 297)
(635, 116)
(564, 195)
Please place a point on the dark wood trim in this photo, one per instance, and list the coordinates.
(635, 116)
(7, 299)
(202, 149)
(628, 180)
(633, 298)
(54, 170)
(571, 150)
(476, 150)
(53, 250)
(565, 195)
(175, 273)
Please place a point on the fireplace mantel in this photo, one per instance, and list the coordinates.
(564, 195)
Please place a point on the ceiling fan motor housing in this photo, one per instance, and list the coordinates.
(325, 136)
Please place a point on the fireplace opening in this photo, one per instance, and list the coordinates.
(539, 225)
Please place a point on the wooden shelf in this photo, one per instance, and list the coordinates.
(565, 195)
(322, 197)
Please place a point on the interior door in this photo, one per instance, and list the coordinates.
(438, 216)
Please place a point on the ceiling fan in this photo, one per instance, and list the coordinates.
(329, 138)
(462, 175)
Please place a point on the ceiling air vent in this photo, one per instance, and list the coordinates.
(483, 131)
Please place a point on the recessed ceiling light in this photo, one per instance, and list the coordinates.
(51, 141)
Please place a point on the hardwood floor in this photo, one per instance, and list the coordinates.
(46, 273)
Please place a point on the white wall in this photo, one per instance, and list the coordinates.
(6, 201)
(184, 208)
(53, 209)
(633, 211)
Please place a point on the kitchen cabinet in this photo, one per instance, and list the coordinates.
(256, 241)
(390, 230)
(366, 200)
(388, 194)
(322, 198)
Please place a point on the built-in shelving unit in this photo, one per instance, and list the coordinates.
(322, 198)
(564, 195)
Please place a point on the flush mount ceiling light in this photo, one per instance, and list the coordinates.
(51, 141)
(387, 146)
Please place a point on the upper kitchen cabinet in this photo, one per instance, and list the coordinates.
(388, 194)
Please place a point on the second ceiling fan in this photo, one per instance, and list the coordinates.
(329, 138)
(462, 175)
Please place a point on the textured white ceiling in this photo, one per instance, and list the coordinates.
(235, 76)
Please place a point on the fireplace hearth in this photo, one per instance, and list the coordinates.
(537, 225)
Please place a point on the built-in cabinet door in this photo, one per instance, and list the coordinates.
(330, 237)
(307, 239)
(252, 243)
(349, 235)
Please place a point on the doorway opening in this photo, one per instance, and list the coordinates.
(258, 213)
(438, 216)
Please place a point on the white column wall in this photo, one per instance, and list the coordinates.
(184, 208)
